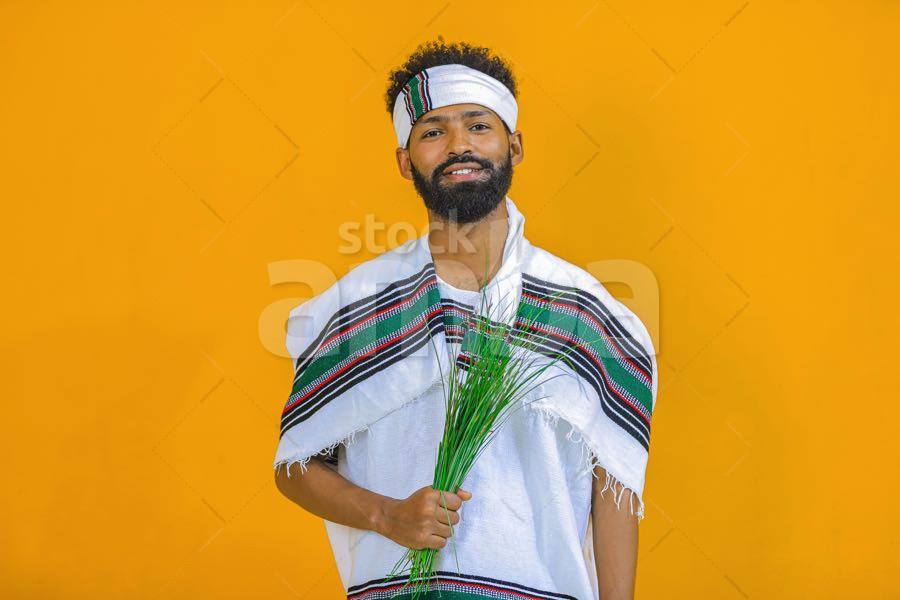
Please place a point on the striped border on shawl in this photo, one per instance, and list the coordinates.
(356, 311)
(449, 585)
(362, 339)
(456, 319)
(466, 357)
(600, 348)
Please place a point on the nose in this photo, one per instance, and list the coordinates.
(459, 141)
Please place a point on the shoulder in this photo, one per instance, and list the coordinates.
(583, 294)
(348, 295)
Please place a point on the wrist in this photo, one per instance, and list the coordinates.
(379, 520)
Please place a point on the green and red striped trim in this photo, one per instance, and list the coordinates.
(449, 585)
(599, 347)
(364, 338)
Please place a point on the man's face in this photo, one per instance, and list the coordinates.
(462, 137)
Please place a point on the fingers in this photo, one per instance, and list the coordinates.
(454, 501)
(448, 499)
(447, 505)
(443, 515)
(442, 530)
(435, 541)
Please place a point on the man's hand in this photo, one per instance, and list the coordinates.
(421, 520)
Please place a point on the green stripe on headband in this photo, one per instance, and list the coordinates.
(418, 103)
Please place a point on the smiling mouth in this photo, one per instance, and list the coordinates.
(465, 174)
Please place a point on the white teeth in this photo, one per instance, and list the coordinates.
(462, 171)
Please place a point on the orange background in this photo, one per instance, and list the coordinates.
(158, 160)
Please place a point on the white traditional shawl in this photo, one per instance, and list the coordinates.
(368, 356)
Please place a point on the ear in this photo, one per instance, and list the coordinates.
(403, 163)
(516, 149)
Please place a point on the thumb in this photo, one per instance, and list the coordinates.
(465, 495)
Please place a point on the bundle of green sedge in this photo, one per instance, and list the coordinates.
(478, 400)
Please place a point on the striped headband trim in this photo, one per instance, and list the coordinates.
(416, 96)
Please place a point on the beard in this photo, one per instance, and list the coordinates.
(465, 201)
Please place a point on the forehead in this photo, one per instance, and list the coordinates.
(456, 112)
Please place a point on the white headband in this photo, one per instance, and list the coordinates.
(450, 84)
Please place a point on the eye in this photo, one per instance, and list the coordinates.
(430, 131)
(481, 124)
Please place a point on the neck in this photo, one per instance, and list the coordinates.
(467, 256)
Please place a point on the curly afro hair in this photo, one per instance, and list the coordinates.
(434, 53)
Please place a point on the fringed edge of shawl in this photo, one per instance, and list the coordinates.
(347, 439)
(593, 461)
(304, 461)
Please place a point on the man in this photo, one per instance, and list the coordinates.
(361, 428)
